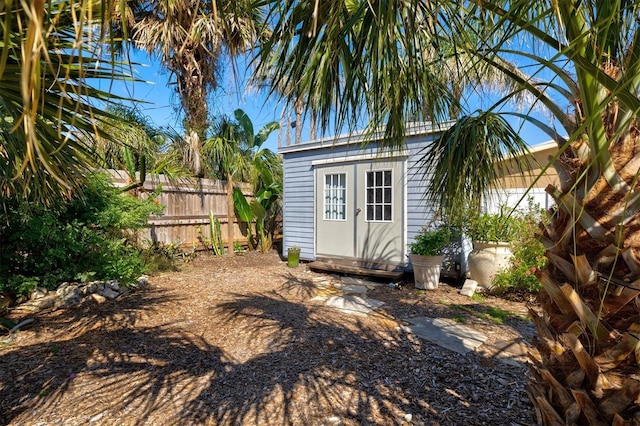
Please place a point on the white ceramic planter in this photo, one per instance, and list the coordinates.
(486, 259)
(426, 271)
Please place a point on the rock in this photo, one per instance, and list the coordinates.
(98, 298)
(68, 294)
(62, 287)
(38, 293)
(503, 382)
(99, 285)
(354, 304)
(446, 333)
(469, 288)
(71, 299)
(351, 288)
(45, 302)
(360, 281)
(66, 289)
(408, 417)
(112, 284)
(109, 294)
(143, 281)
(91, 288)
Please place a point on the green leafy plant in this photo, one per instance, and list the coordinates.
(265, 243)
(493, 227)
(528, 253)
(432, 242)
(159, 257)
(92, 235)
(260, 210)
(238, 248)
(244, 212)
(214, 239)
(478, 297)
(498, 315)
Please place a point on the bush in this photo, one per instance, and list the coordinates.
(432, 242)
(159, 257)
(493, 228)
(89, 237)
(528, 254)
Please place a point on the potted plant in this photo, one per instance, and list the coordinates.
(491, 235)
(426, 256)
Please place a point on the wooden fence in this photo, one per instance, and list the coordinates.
(187, 206)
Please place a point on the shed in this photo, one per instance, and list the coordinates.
(350, 203)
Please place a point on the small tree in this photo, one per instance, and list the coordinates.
(189, 37)
(235, 153)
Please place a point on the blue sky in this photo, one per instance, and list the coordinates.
(161, 100)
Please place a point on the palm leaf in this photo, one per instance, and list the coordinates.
(466, 160)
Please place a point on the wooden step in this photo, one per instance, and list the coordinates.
(355, 270)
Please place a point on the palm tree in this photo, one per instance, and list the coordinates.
(583, 67)
(265, 174)
(136, 145)
(223, 158)
(235, 153)
(49, 53)
(189, 38)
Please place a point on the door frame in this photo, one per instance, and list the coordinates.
(401, 156)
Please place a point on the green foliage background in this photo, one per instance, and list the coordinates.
(89, 237)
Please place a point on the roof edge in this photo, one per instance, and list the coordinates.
(413, 129)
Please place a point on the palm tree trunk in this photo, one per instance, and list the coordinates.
(589, 334)
(282, 126)
(312, 126)
(230, 215)
(194, 157)
(287, 128)
(299, 110)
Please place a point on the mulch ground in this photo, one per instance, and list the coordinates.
(244, 341)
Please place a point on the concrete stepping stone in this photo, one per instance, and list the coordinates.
(351, 288)
(360, 281)
(446, 333)
(511, 347)
(353, 304)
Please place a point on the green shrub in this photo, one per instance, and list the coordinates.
(432, 242)
(492, 228)
(91, 236)
(528, 254)
(159, 257)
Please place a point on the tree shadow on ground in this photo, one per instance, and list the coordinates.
(304, 364)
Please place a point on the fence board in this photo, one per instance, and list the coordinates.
(187, 205)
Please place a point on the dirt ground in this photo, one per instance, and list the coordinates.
(246, 341)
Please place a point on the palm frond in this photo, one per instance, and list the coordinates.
(46, 115)
(467, 159)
